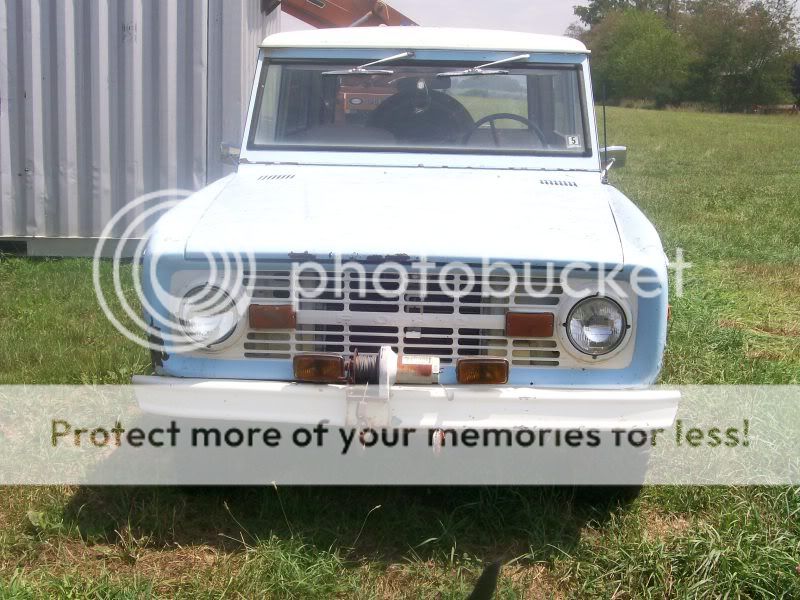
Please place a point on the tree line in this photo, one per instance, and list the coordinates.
(731, 54)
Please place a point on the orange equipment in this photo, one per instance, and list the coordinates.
(341, 13)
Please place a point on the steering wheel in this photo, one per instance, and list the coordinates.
(440, 119)
(532, 127)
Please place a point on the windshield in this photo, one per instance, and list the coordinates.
(436, 108)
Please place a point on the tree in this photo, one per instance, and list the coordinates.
(636, 55)
(796, 82)
(742, 51)
(597, 10)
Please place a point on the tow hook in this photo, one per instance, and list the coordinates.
(437, 441)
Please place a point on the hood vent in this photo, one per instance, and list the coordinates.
(275, 177)
(558, 182)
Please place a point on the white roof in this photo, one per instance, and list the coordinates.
(424, 38)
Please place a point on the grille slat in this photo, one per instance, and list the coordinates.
(352, 314)
(410, 341)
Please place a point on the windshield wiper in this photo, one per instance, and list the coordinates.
(365, 70)
(482, 70)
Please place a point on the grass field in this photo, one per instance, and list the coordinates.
(725, 188)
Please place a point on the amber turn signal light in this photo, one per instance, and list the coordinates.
(268, 316)
(482, 370)
(318, 368)
(527, 325)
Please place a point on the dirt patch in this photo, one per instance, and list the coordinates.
(791, 330)
(530, 581)
(781, 276)
(535, 581)
(658, 526)
(785, 330)
(168, 567)
(398, 579)
(765, 355)
(731, 324)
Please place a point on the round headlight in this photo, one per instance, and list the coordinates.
(596, 326)
(208, 315)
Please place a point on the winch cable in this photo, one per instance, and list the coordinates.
(364, 369)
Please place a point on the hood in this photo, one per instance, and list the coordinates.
(272, 211)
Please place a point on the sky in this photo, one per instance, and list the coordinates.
(535, 16)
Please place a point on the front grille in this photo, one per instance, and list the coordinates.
(434, 341)
(354, 312)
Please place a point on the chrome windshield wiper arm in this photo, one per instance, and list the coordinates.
(365, 70)
(482, 70)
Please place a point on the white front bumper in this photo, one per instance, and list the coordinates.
(420, 407)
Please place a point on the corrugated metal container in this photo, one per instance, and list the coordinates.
(104, 100)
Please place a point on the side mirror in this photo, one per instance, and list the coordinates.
(617, 154)
(229, 153)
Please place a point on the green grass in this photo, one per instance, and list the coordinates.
(52, 329)
(726, 188)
